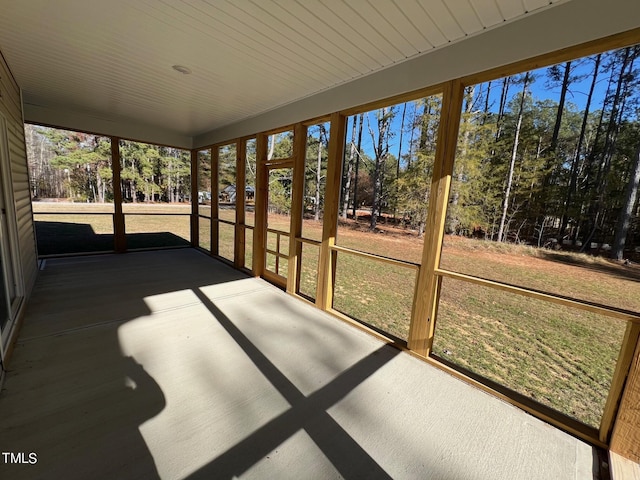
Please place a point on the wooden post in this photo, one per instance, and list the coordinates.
(261, 204)
(195, 221)
(625, 440)
(427, 292)
(625, 358)
(297, 208)
(215, 226)
(119, 234)
(327, 259)
(239, 250)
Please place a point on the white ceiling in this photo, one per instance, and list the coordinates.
(112, 59)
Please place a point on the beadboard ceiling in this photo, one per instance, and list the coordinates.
(113, 59)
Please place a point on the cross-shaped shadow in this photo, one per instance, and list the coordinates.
(308, 413)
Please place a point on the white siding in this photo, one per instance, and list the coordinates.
(10, 107)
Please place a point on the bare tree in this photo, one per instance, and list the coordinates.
(514, 152)
(626, 212)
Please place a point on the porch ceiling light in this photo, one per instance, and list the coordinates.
(182, 69)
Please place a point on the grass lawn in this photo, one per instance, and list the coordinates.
(562, 357)
(77, 227)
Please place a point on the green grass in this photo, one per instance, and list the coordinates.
(225, 246)
(204, 227)
(560, 356)
(581, 276)
(91, 228)
(376, 293)
(309, 270)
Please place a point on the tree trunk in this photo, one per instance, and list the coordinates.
(380, 149)
(347, 185)
(424, 130)
(501, 231)
(485, 114)
(355, 179)
(316, 212)
(626, 212)
(503, 104)
(573, 180)
(404, 112)
(99, 182)
(613, 128)
(272, 147)
(560, 111)
(452, 219)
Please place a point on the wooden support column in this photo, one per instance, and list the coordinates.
(623, 365)
(625, 440)
(327, 260)
(215, 226)
(240, 230)
(427, 292)
(297, 207)
(261, 203)
(119, 235)
(195, 221)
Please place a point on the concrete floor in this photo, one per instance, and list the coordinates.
(171, 365)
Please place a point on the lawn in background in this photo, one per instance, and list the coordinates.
(560, 356)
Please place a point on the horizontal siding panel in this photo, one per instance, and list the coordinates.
(17, 137)
(21, 186)
(11, 99)
(12, 114)
(23, 208)
(30, 277)
(20, 182)
(16, 167)
(23, 193)
(10, 95)
(11, 108)
(12, 117)
(25, 236)
(16, 146)
(30, 258)
(10, 91)
(6, 73)
(20, 178)
(23, 205)
(24, 227)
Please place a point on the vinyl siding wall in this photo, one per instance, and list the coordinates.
(11, 109)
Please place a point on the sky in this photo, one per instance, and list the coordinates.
(541, 89)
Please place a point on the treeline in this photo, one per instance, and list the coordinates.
(152, 173)
(76, 167)
(549, 157)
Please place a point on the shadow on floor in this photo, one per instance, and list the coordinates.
(63, 238)
(308, 413)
